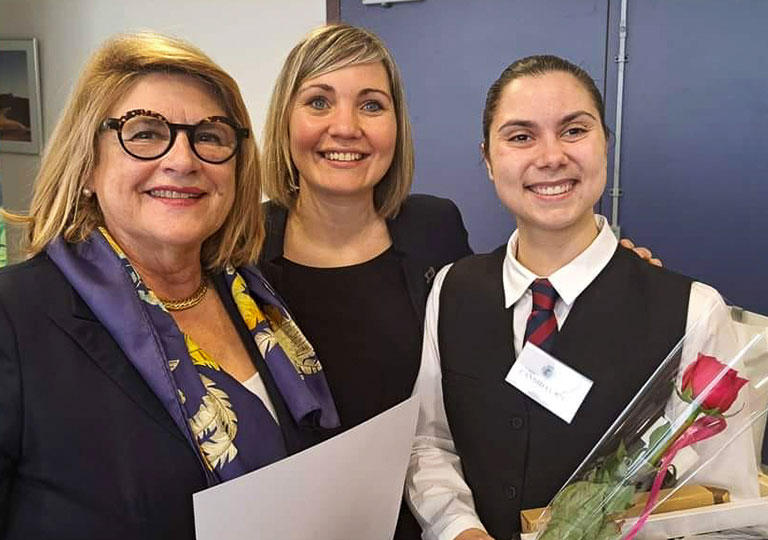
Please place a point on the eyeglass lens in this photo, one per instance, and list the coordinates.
(149, 137)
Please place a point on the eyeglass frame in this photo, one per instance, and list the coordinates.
(118, 123)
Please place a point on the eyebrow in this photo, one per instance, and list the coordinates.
(376, 91)
(329, 88)
(316, 86)
(529, 124)
(573, 116)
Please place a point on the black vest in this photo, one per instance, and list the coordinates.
(515, 454)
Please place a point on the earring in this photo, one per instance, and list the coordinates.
(293, 186)
(87, 193)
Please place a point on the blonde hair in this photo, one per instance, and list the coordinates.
(59, 207)
(323, 50)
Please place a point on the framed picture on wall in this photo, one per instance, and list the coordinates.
(3, 244)
(20, 119)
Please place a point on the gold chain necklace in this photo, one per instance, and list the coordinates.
(190, 301)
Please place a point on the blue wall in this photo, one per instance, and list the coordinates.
(695, 153)
(695, 150)
(449, 55)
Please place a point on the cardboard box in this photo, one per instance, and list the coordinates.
(685, 498)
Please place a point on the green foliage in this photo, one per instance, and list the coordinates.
(584, 510)
(658, 434)
(575, 512)
(609, 531)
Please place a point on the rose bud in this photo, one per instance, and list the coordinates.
(701, 373)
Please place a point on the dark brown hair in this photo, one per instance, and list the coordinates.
(532, 66)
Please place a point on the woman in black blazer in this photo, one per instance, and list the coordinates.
(142, 356)
(350, 251)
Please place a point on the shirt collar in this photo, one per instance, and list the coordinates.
(570, 280)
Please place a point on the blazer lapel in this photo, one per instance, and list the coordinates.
(418, 281)
(275, 221)
(83, 327)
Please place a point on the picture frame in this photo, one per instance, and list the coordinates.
(386, 3)
(3, 244)
(20, 112)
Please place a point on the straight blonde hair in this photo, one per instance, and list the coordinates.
(323, 50)
(59, 207)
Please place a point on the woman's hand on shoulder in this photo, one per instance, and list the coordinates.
(474, 534)
(643, 253)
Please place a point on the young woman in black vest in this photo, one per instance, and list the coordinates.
(484, 450)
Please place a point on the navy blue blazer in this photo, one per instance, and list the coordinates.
(87, 451)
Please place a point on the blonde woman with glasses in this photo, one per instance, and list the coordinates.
(142, 355)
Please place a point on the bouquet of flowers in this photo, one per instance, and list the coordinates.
(646, 450)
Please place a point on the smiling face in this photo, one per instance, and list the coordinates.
(177, 200)
(546, 152)
(343, 131)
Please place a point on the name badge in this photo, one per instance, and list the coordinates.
(549, 382)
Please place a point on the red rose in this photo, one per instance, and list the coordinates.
(704, 370)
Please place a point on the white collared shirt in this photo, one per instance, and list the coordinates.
(256, 386)
(569, 281)
(435, 488)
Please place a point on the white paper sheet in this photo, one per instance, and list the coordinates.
(346, 488)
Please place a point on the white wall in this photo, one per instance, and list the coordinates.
(249, 38)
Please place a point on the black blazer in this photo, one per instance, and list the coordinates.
(87, 451)
(427, 234)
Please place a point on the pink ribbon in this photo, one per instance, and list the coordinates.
(703, 428)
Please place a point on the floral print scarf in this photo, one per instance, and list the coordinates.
(228, 426)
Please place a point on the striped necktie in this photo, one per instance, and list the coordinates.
(541, 329)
